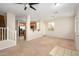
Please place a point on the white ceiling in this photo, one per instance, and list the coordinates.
(44, 10)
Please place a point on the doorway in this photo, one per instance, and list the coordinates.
(21, 30)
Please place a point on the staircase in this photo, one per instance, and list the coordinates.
(7, 36)
(3, 30)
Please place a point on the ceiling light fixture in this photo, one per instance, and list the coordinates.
(57, 4)
(27, 5)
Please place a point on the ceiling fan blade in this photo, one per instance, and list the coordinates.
(19, 3)
(33, 3)
(25, 8)
(22, 3)
(32, 7)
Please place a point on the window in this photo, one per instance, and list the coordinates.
(38, 26)
(51, 26)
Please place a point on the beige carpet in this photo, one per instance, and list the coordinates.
(60, 51)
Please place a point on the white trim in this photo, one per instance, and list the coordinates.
(7, 44)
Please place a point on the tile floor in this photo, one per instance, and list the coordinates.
(60, 51)
(37, 47)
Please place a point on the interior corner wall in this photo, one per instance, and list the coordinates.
(64, 28)
(37, 34)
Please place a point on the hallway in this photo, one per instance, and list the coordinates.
(37, 47)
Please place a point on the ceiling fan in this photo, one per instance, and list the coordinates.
(26, 5)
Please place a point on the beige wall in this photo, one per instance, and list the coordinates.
(36, 34)
(64, 28)
(30, 34)
(77, 28)
(11, 26)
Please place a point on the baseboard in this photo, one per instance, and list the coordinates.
(36, 38)
(49, 37)
(58, 37)
(7, 44)
(77, 48)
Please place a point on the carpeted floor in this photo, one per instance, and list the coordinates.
(37, 47)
